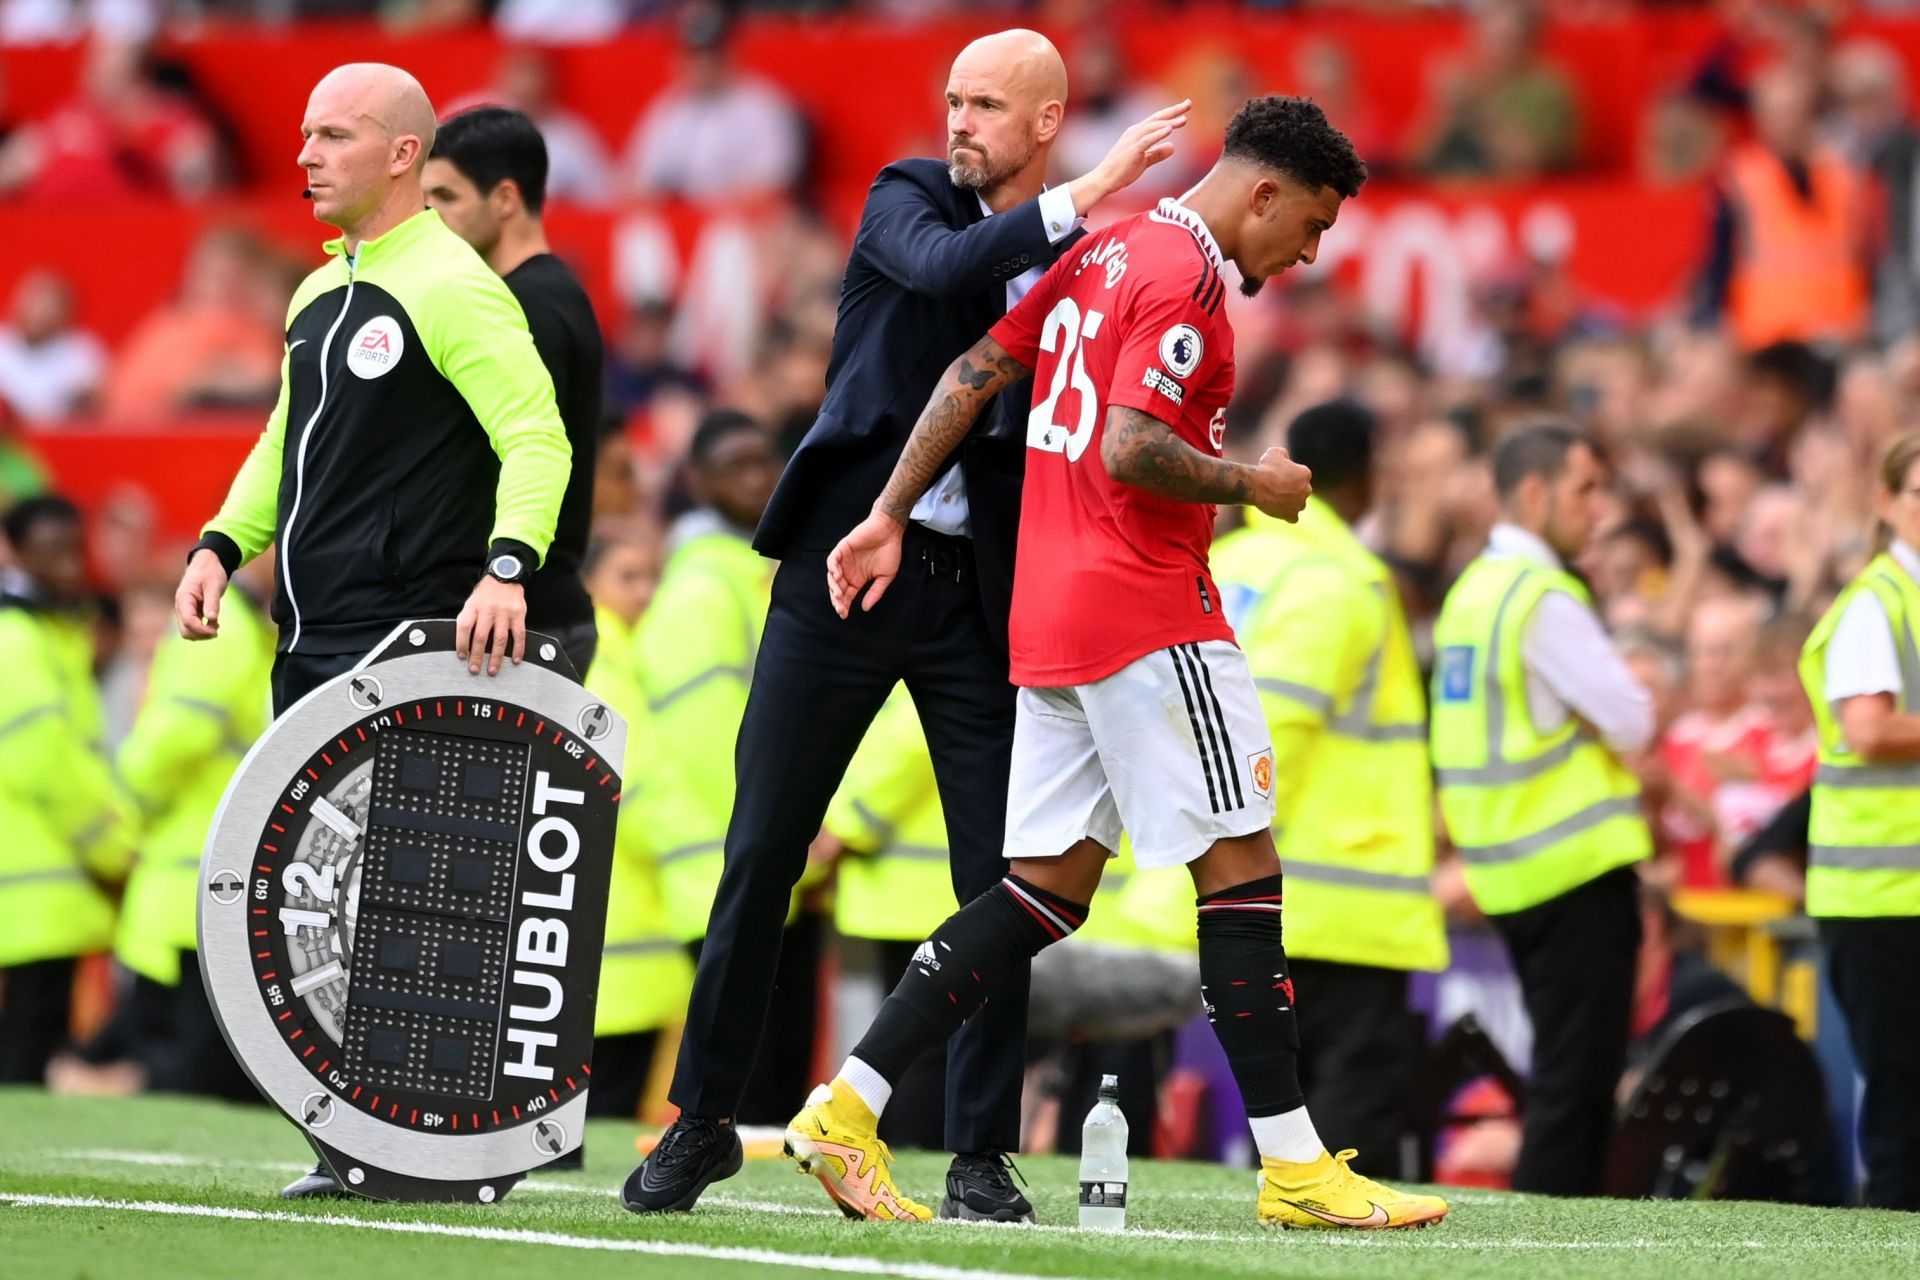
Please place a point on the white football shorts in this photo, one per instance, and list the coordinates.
(1173, 749)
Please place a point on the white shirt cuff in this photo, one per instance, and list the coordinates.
(1056, 212)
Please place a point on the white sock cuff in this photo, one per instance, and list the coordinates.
(868, 1083)
(1289, 1136)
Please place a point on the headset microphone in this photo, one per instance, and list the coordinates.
(307, 194)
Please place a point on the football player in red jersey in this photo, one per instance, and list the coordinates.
(1136, 710)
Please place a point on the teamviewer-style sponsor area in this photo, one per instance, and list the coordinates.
(118, 1186)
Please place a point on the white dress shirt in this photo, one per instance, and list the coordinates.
(943, 508)
(1861, 658)
(46, 381)
(1572, 666)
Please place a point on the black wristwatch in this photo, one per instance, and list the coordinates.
(508, 568)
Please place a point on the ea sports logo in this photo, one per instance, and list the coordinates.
(1180, 350)
(376, 348)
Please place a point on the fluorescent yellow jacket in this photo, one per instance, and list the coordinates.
(207, 701)
(645, 975)
(1534, 814)
(62, 819)
(1863, 847)
(694, 650)
(1319, 618)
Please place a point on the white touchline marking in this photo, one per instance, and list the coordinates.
(1372, 1239)
(169, 1159)
(844, 1264)
(342, 825)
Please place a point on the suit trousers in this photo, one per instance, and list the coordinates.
(1575, 955)
(1356, 1057)
(783, 1071)
(818, 681)
(1868, 963)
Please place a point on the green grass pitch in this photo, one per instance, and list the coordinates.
(157, 1188)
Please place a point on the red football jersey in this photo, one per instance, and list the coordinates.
(1108, 572)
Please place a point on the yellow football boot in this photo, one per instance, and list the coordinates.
(1325, 1193)
(833, 1139)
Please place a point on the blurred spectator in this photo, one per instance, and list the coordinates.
(1787, 257)
(66, 21)
(1785, 387)
(790, 386)
(578, 166)
(1629, 567)
(125, 133)
(218, 345)
(716, 134)
(1718, 741)
(1682, 137)
(640, 361)
(1728, 480)
(561, 21)
(1105, 101)
(1792, 746)
(1216, 79)
(1869, 89)
(1503, 110)
(1323, 70)
(49, 368)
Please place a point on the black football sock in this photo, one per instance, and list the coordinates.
(1243, 978)
(954, 972)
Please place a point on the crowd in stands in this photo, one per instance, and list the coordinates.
(1742, 435)
(1744, 470)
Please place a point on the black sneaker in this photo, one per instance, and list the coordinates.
(693, 1152)
(980, 1189)
(318, 1185)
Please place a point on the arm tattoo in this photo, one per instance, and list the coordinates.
(1144, 452)
(964, 389)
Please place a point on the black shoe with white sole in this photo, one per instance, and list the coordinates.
(980, 1189)
(692, 1153)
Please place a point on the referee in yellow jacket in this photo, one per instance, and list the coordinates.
(416, 447)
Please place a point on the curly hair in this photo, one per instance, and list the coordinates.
(1293, 136)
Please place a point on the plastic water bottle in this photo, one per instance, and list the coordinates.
(1103, 1162)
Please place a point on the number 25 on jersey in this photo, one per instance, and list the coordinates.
(1063, 336)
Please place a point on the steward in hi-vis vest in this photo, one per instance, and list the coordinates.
(1862, 672)
(1532, 712)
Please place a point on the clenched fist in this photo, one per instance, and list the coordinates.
(1281, 486)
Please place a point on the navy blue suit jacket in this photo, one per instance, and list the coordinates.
(927, 278)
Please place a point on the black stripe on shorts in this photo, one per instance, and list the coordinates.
(1220, 718)
(1193, 718)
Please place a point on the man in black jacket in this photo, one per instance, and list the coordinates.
(943, 250)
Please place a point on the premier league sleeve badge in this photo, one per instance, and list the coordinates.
(403, 901)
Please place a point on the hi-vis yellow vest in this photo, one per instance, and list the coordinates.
(1863, 849)
(694, 652)
(645, 974)
(63, 829)
(1356, 839)
(207, 700)
(1534, 814)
